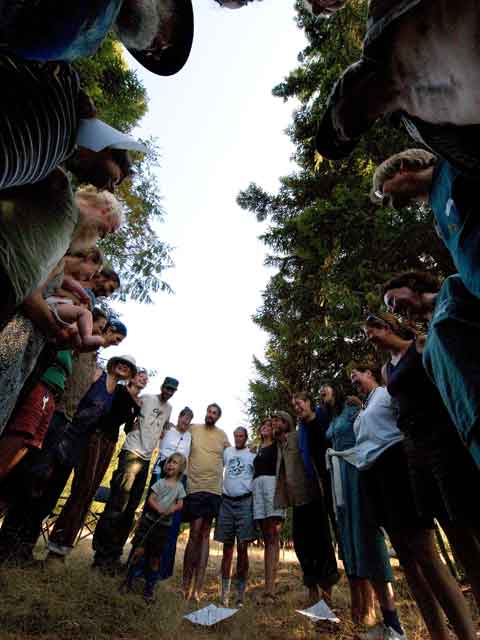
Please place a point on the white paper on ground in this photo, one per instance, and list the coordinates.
(210, 615)
(319, 611)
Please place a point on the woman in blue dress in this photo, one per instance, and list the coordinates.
(364, 553)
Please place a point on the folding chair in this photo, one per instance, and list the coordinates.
(49, 521)
(102, 496)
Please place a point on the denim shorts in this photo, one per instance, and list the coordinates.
(235, 521)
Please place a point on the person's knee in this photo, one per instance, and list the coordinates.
(195, 536)
(205, 529)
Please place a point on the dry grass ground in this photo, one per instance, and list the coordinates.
(76, 603)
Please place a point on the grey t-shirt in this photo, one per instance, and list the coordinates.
(154, 416)
(165, 496)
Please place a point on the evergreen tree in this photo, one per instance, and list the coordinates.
(331, 246)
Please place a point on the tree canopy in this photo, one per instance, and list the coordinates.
(135, 252)
(331, 247)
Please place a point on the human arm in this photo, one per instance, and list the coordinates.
(152, 504)
(37, 310)
(74, 287)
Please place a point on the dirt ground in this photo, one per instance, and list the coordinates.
(75, 602)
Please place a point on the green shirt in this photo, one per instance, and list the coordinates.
(56, 375)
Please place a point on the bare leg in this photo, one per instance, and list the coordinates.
(356, 599)
(271, 534)
(385, 595)
(199, 578)
(227, 560)
(226, 572)
(363, 601)
(432, 585)
(465, 542)
(242, 560)
(191, 557)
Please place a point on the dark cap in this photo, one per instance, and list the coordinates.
(170, 383)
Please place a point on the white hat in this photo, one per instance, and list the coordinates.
(96, 135)
(130, 360)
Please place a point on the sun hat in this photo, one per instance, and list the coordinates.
(168, 61)
(130, 360)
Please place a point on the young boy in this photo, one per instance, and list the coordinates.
(165, 498)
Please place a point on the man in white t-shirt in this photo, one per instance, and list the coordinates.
(129, 479)
(235, 518)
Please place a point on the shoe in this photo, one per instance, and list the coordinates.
(381, 632)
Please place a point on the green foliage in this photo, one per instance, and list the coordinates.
(331, 246)
(118, 94)
(135, 252)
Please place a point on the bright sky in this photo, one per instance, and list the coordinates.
(219, 128)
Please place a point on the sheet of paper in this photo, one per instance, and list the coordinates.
(210, 615)
(319, 611)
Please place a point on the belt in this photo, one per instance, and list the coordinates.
(237, 498)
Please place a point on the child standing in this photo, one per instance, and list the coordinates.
(165, 498)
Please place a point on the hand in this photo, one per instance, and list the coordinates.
(65, 337)
(353, 401)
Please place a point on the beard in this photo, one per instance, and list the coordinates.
(138, 24)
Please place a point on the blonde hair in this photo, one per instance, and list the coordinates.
(410, 159)
(100, 200)
(182, 462)
(86, 232)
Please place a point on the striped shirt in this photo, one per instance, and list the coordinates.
(38, 118)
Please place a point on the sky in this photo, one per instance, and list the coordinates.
(219, 128)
